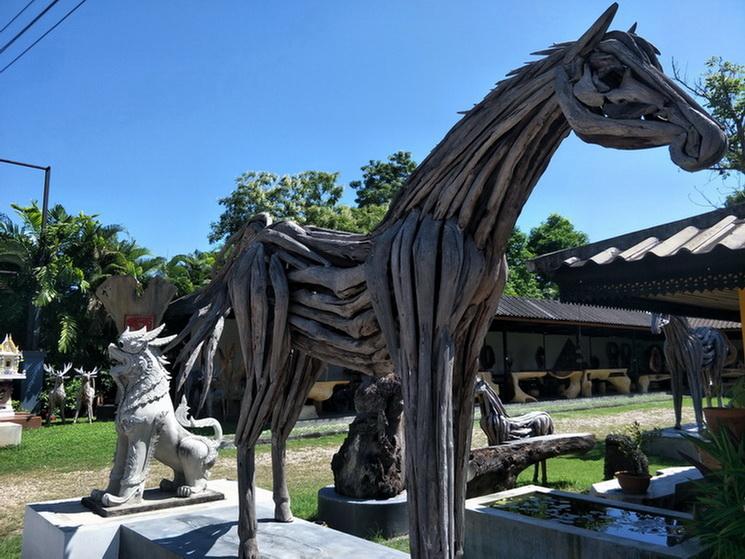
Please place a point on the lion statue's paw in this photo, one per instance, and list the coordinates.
(183, 491)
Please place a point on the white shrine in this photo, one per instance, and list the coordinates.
(10, 362)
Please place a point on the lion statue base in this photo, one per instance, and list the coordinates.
(147, 426)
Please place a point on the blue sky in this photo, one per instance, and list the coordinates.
(147, 111)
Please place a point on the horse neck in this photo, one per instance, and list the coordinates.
(483, 171)
(677, 330)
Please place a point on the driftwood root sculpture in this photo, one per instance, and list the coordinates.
(416, 296)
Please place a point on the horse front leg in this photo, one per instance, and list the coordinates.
(302, 374)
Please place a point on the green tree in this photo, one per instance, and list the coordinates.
(554, 233)
(722, 88)
(189, 272)
(520, 281)
(60, 275)
(381, 180)
(285, 197)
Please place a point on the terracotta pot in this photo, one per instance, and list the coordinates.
(633, 484)
(716, 419)
(733, 418)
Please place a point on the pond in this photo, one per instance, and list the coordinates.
(653, 528)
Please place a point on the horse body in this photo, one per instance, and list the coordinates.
(697, 355)
(416, 296)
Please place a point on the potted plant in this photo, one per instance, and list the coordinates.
(732, 416)
(624, 456)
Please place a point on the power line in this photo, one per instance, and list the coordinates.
(22, 31)
(15, 17)
(32, 45)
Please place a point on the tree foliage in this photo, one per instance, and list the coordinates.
(286, 197)
(722, 87)
(312, 197)
(554, 233)
(381, 180)
(60, 275)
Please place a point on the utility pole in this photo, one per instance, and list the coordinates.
(32, 332)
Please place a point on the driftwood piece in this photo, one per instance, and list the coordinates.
(417, 294)
(494, 468)
(370, 462)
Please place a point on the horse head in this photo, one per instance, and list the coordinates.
(613, 92)
(659, 321)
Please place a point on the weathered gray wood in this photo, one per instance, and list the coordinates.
(494, 468)
(418, 293)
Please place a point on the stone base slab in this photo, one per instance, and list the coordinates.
(365, 518)
(67, 530)
(670, 443)
(10, 434)
(153, 499)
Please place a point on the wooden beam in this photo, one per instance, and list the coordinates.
(741, 298)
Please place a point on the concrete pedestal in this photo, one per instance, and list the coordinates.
(661, 492)
(66, 530)
(10, 434)
(670, 443)
(363, 517)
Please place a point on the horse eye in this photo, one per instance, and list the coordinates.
(120, 344)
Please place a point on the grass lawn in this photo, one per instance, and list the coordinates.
(62, 461)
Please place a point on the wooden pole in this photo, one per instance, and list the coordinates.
(741, 298)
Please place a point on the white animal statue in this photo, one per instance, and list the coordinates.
(57, 394)
(87, 393)
(148, 426)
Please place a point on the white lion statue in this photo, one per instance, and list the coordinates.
(148, 426)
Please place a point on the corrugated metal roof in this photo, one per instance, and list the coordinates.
(718, 230)
(549, 310)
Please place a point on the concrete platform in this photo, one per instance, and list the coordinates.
(671, 444)
(661, 492)
(66, 530)
(364, 517)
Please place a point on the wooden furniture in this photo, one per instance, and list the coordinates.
(644, 380)
(618, 378)
(576, 381)
(521, 396)
(323, 390)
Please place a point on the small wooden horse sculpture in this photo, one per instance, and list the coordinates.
(500, 427)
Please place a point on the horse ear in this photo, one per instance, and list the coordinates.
(593, 35)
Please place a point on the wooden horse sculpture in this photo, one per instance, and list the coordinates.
(697, 355)
(416, 296)
(499, 427)
(87, 393)
(57, 394)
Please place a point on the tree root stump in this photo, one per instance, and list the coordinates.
(495, 468)
(369, 464)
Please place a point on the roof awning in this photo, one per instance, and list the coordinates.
(690, 267)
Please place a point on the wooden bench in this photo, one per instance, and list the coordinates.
(618, 378)
(645, 379)
(520, 396)
(577, 382)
